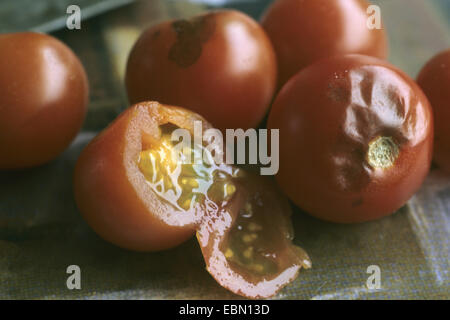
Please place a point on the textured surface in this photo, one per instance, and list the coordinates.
(41, 232)
(47, 15)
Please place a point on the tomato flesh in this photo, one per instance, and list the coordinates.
(248, 246)
(185, 184)
(112, 192)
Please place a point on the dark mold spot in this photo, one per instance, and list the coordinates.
(191, 35)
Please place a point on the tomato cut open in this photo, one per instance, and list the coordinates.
(139, 189)
(112, 187)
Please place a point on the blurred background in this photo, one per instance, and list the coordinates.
(41, 231)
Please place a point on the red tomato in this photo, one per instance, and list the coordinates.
(435, 82)
(110, 185)
(220, 65)
(43, 98)
(134, 194)
(303, 31)
(356, 138)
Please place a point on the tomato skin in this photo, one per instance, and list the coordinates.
(220, 65)
(111, 192)
(434, 79)
(328, 115)
(43, 98)
(303, 31)
(273, 214)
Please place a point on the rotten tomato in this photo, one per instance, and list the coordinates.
(138, 189)
(356, 138)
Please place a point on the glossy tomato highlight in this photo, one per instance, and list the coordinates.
(434, 79)
(135, 192)
(220, 64)
(303, 31)
(356, 137)
(43, 98)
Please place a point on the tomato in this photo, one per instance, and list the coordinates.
(112, 191)
(43, 98)
(356, 137)
(303, 31)
(220, 65)
(135, 193)
(434, 79)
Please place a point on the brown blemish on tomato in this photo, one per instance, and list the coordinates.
(338, 90)
(191, 35)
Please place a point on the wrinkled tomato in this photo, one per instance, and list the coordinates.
(356, 137)
(434, 79)
(134, 191)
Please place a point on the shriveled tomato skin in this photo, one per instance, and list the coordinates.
(303, 31)
(110, 191)
(220, 65)
(329, 115)
(43, 98)
(434, 79)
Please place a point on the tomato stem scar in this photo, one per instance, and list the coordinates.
(382, 153)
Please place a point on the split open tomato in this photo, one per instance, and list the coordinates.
(303, 31)
(136, 189)
(220, 64)
(356, 137)
(434, 79)
(111, 188)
